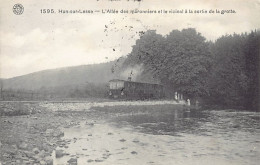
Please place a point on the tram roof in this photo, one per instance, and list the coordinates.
(119, 80)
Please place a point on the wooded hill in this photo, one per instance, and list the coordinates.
(67, 82)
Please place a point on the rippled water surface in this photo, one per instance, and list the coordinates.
(159, 136)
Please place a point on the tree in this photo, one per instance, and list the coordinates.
(188, 62)
(148, 48)
(228, 79)
(181, 60)
(252, 62)
(224, 73)
(234, 81)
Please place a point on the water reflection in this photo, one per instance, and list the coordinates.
(172, 122)
(167, 122)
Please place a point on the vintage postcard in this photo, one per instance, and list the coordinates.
(133, 82)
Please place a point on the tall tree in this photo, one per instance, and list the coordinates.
(181, 60)
(188, 62)
(229, 81)
(252, 62)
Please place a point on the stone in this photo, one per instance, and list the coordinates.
(30, 154)
(134, 152)
(42, 162)
(58, 133)
(59, 153)
(236, 126)
(18, 161)
(36, 150)
(48, 160)
(26, 162)
(90, 124)
(23, 145)
(72, 161)
(37, 158)
(99, 160)
(45, 147)
(42, 153)
(49, 132)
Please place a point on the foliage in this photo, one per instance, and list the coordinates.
(228, 81)
(235, 76)
(180, 60)
(224, 73)
(252, 59)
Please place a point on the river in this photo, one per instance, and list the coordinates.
(164, 137)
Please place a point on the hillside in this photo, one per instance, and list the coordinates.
(68, 76)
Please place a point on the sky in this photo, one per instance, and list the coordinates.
(35, 41)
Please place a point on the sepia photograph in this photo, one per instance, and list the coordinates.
(130, 82)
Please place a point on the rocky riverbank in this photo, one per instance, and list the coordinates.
(30, 133)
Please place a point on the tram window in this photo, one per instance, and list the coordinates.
(120, 84)
(112, 85)
(116, 85)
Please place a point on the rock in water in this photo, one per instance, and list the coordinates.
(72, 161)
(99, 160)
(134, 152)
(90, 160)
(59, 153)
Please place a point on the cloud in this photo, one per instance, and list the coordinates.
(38, 50)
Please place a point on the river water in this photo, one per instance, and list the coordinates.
(185, 137)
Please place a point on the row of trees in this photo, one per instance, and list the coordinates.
(223, 73)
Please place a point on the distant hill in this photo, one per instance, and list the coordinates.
(67, 76)
(85, 81)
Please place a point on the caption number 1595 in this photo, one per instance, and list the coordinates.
(46, 11)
